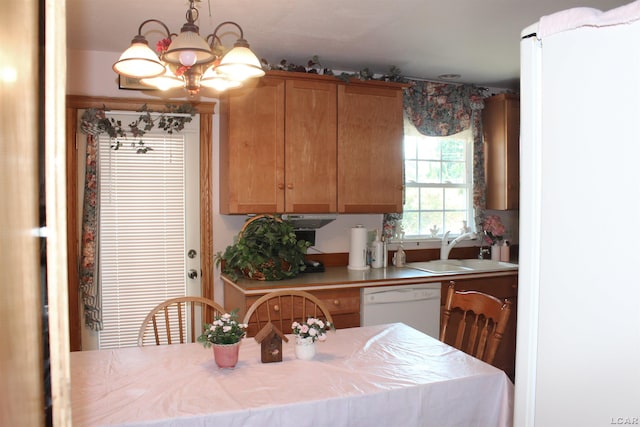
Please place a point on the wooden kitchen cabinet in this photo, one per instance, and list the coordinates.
(310, 147)
(501, 287)
(301, 143)
(278, 148)
(501, 128)
(343, 304)
(370, 156)
(252, 149)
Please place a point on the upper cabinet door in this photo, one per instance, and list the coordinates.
(252, 149)
(370, 156)
(501, 127)
(310, 146)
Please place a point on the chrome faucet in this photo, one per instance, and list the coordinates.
(447, 246)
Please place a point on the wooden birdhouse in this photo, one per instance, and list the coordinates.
(270, 339)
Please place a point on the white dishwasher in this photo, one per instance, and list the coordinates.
(415, 305)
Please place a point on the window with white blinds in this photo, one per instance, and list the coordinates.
(141, 232)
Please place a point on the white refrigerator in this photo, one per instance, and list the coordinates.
(578, 344)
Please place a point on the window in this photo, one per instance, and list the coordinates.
(142, 216)
(438, 183)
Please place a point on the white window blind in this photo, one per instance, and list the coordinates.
(141, 232)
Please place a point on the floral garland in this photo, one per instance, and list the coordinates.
(314, 67)
(94, 122)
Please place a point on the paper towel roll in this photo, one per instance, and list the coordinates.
(358, 249)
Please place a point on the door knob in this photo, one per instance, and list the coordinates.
(192, 274)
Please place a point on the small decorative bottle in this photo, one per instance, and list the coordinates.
(496, 252)
(504, 252)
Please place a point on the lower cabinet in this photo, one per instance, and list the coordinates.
(502, 287)
(343, 304)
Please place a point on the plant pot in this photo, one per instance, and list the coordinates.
(226, 355)
(305, 348)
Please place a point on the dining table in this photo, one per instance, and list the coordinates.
(383, 375)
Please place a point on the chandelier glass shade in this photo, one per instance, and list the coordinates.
(188, 59)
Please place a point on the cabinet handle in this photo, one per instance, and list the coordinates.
(290, 186)
(276, 308)
(336, 302)
(280, 186)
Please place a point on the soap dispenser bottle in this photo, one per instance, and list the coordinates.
(377, 252)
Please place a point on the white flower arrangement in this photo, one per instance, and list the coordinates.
(313, 328)
(225, 329)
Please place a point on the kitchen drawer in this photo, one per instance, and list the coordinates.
(342, 301)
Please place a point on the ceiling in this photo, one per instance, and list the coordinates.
(424, 38)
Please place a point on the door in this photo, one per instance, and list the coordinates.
(252, 149)
(148, 227)
(310, 147)
(370, 156)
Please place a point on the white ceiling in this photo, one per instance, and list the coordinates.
(424, 38)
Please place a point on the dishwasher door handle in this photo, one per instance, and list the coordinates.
(401, 295)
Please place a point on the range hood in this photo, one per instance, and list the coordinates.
(309, 221)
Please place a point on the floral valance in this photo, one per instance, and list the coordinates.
(441, 109)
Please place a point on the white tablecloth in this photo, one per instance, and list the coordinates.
(389, 375)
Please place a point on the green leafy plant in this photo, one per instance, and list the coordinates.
(265, 249)
(225, 329)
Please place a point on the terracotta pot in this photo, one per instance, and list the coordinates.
(226, 355)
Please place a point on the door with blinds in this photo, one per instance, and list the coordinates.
(148, 227)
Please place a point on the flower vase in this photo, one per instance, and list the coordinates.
(226, 355)
(495, 253)
(305, 348)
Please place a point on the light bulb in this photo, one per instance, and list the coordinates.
(188, 58)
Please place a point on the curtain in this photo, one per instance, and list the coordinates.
(89, 285)
(443, 109)
(93, 123)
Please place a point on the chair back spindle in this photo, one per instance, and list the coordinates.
(169, 321)
(283, 308)
(482, 320)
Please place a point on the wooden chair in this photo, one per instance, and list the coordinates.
(282, 308)
(482, 320)
(168, 318)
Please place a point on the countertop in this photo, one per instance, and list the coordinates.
(342, 277)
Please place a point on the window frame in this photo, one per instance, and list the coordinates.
(412, 132)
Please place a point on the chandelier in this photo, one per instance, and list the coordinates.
(188, 60)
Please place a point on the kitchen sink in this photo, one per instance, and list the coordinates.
(461, 265)
(439, 266)
(487, 264)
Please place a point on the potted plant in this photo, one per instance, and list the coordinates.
(265, 249)
(306, 334)
(225, 335)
